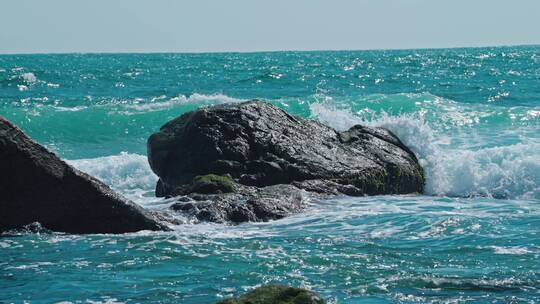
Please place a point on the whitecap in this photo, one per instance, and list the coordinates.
(127, 173)
(510, 250)
(30, 266)
(29, 78)
(105, 301)
(511, 171)
(70, 109)
(195, 98)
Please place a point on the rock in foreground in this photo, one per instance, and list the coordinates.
(276, 294)
(36, 186)
(258, 145)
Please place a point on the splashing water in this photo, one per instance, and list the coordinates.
(472, 117)
(462, 169)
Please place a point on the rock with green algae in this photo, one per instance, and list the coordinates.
(276, 294)
(212, 183)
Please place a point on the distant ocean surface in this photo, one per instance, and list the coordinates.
(472, 117)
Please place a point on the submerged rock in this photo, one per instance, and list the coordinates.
(276, 294)
(258, 145)
(36, 186)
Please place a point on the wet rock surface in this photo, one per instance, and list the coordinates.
(242, 204)
(37, 186)
(258, 145)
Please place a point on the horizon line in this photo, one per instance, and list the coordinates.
(267, 51)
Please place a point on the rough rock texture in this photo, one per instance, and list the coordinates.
(276, 294)
(242, 204)
(257, 145)
(36, 186)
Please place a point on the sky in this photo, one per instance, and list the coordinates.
(60, 26)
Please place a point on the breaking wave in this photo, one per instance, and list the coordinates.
(162, 102)
(130, 174)
(452, 167)
(503, 171)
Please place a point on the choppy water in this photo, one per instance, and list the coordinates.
(472, 116)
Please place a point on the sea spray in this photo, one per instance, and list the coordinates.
(127, 173)
(471, 116)
(502, 172)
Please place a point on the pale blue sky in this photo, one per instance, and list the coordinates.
(40, 26)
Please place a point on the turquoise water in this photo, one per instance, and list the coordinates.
(472, 116)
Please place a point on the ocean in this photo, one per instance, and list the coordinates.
(471, 116)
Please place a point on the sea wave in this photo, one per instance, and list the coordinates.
(162, 102)
(504, 171)
(130, 174)
(24, 80)
(29, 78)
(118, 106)
(457, 170)
(455, 163)
(134, 105)
(440, 112)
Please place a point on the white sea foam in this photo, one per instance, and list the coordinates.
(340, 119)
(31, 265)
(127, 173)
(161, 102)
(138, 105)
(29, 78)
(510, 250)
(511, 171)
(70, 109)
(106, 300)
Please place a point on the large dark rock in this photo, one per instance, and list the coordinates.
(276, 294)
(36, 186)
(257, 145)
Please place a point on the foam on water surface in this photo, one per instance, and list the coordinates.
(459, 168)
(348, 249)
(470, 116)
(130, 174)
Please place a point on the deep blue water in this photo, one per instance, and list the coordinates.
(472, 116)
